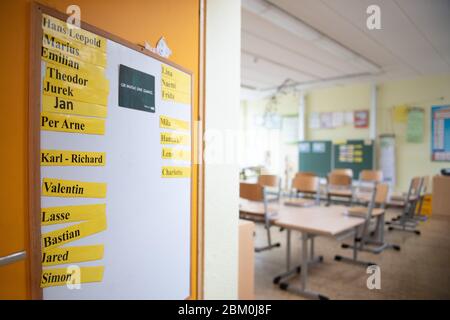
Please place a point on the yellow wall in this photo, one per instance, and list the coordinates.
(412, 158)
(341, 98)
(133, 20)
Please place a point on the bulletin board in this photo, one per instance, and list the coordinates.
(440, 133)
(354, 154)
(111, 159)
(316, 157)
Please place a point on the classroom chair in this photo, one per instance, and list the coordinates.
(305, 173)
(426, 184)
(272, 183)
(366, 182)
(358, 241)
(260, 212)
(308, 187)
(348, 172)
(339, 186)
(373, 240)
(407, 221)
(371, 176)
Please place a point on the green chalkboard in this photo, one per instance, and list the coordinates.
(315, 156)
(354, 154)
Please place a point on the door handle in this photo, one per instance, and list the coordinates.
(12, 258)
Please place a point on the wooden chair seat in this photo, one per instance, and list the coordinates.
(340, 193)
(362, 211)
(300, 202)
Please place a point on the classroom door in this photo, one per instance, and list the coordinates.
(137, 21)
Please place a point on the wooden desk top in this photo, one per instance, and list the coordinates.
(299, 202)
(340, 192)
(362, 211)
(255, 208)
(328, 221)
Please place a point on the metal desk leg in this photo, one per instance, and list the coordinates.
(289, 271)
(376, 243)
(304, 275)
(357, 245)
(296, 269)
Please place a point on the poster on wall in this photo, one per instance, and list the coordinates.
(361, 118)
(440, 133)
(314, 120)
(415, 130)
(326, 120)
(387, 158)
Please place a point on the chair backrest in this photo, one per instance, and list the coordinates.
(371, 175)
(251, 191)
(415, 188)
(305, 173)
(306, 184)
(269, 180)
(382, 193)
(341, 180)
(348, 172)
(426, 184)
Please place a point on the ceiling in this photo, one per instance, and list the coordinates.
(414, 40)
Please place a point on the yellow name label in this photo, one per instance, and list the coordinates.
(64, 60)
(176, 154)
(175, 79)
(171, 123)
(66, 106)
(72, 124)
(71, 275)
(84, 78)
(70, 91)
(65, 214)
(74, 49)
(175, 85)
(67, 255)
(175, 96)
(73, 188)
(73, 33)
(72, 158)
(68, 234)
(176, 172)
(174, 138)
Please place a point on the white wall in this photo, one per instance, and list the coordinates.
(223, 41)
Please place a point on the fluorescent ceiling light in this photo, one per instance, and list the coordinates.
(335, 48)
(281, 19)
(302, 30)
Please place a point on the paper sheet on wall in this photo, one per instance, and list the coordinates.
(348, 118)
(314, 120)
(415, 130)
(326, 120)
(337, 119)
(401, 113)
(387, 158)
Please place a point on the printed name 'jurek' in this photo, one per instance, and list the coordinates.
(52, 88)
